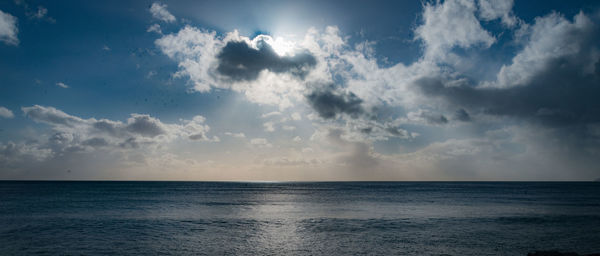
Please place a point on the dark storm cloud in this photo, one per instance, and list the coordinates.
(560, 95)
(239, 61)
(329, 103)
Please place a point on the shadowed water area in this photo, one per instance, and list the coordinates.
(341, 218)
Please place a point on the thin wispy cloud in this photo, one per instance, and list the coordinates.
(159, 11)
(40, 13)
(62, 85)
(154, 28)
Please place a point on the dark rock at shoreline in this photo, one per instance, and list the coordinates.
(556, 253)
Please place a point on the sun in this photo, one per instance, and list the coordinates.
(283, 47)
(280, 45)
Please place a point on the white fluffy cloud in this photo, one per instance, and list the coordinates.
(97, 147)
(494, 9)
(8, 29)
(195, 50)
(551, 37)
(159, 11)
(72, 133)
(6, 113)
(451, 24)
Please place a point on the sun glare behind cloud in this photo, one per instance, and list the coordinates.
(280, 45)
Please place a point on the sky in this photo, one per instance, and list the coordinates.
(456, 90)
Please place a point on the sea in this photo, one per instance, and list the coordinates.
(298, 218)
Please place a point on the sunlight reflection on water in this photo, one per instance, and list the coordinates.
(187, 218)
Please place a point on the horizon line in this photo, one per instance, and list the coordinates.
(290, 181)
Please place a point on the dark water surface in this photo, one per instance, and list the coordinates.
(345, 218)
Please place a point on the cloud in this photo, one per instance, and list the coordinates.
(236, 135)
(151, 74)
(260, 143)
(288, 127)
(552, 81)
(62, 85)
(296, 116)
(6, 113)
(75, 133)
(41, 13)
(330, 104)
(462, 115)
(240, 61)
(8, 29)
(154, 28)
(211, 61)
(286, 162)
(509, 153)
(303, 75)
(14, 154)
(203, 56)
(438, 111)
(494, 9)
(357, 156)
(159, 11)
(269, 126)
(97, 146)
(52, 116)
(145, 125)
(427, 117)
(435, 118)
(451, 24)
(195, 50)
(553, 98)
(271, 114)
(549, 40)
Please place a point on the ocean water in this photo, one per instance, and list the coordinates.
(340, 218)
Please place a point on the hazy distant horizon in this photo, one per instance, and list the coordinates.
(313, 181)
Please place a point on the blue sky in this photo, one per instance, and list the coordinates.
(309, 90)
